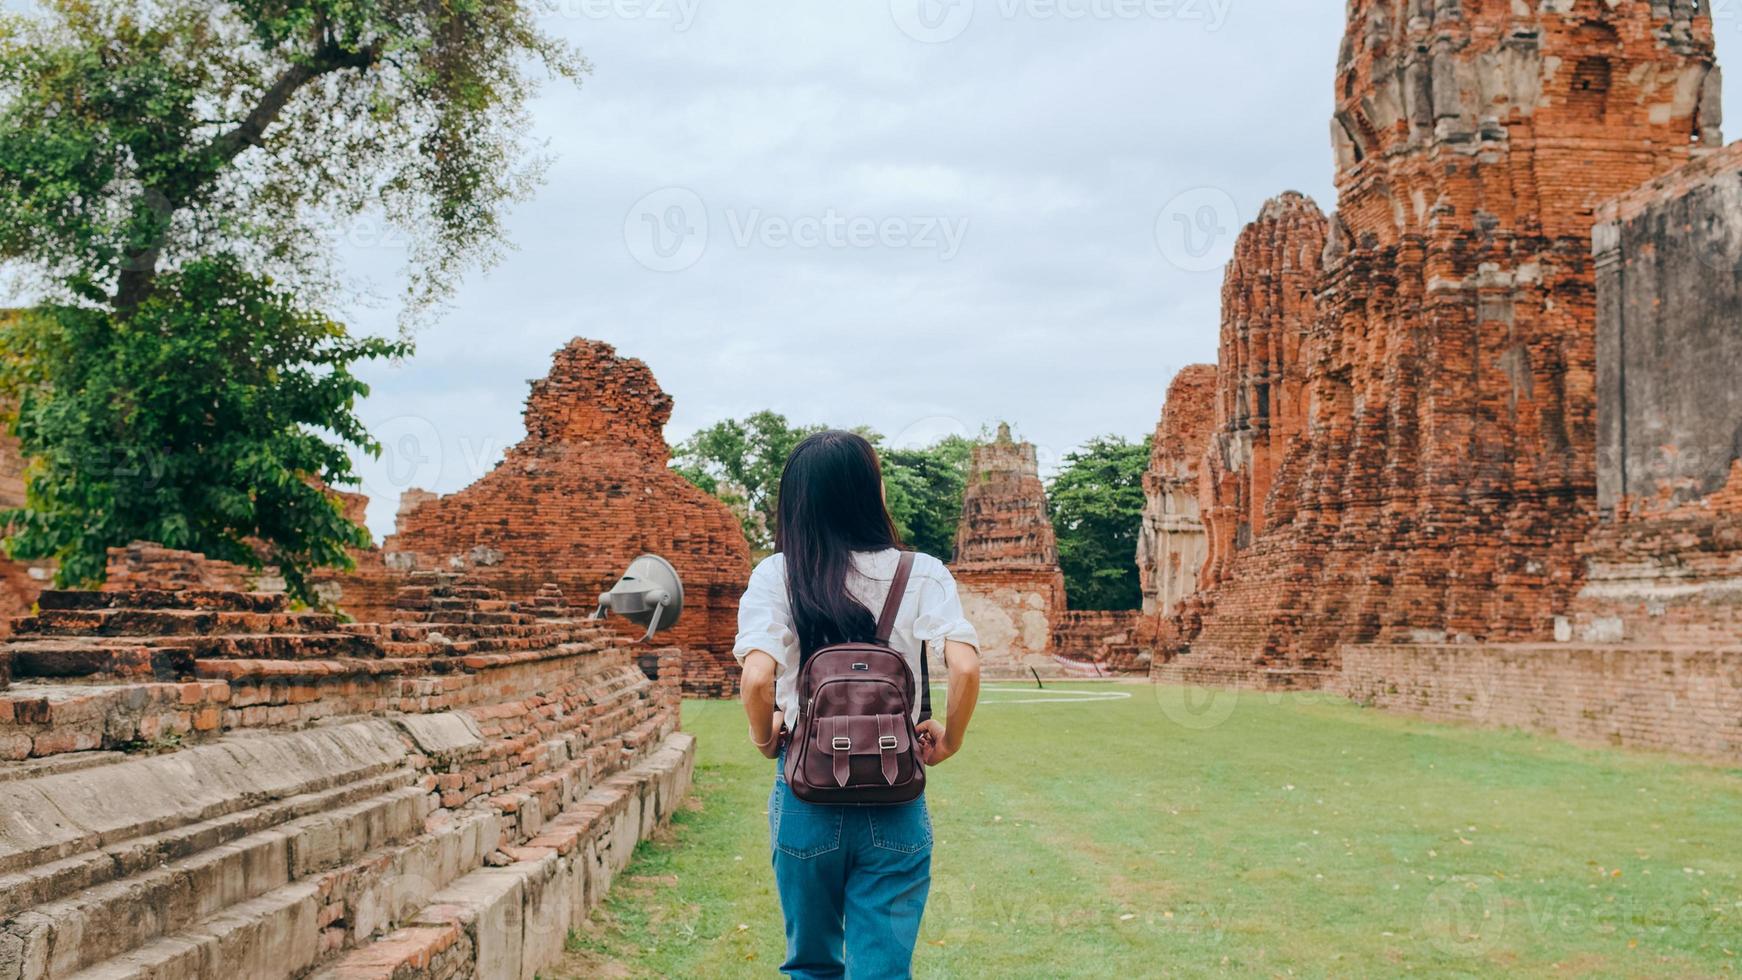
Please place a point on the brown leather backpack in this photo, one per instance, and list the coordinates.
(857, 743)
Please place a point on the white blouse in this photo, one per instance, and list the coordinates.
(930, 613)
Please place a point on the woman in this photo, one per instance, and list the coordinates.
(852, 879)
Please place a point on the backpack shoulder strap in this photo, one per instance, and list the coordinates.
(892, 605)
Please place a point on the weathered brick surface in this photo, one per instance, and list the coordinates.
(1268, 312)
(1446, 468)
(143, 565)
(1669, 266)
(20, 582)
(516, 737)
(584, 493)
(1171, 543)
(1665, 698)
(1650, 650)
(1007, 564)
(1111, 641)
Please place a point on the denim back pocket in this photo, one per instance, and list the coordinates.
(803, 830)
(903, 827)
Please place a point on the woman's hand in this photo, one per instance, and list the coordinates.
(771, 749)
(935, 745)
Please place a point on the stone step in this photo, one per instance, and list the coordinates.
(99, 660)
(129, 622)
(287, 931)
(111, 919)
(60, 879)
(63, 814)
(249, 602)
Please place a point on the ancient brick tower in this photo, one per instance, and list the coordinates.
(1007, 559)
(586, 491)
(1444, 469)
(1260, 389)
(1171, 543)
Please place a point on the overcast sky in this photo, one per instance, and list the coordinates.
(920, 215)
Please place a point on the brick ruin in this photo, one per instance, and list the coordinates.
(1172, 543)
(1649, 651)
(20, 582)
(1007, 559)
(584, 493)
(1405, 448)
(203, 783)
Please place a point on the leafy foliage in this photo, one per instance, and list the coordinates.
(1096, 502)
(169, 171)
(740, 461)
(924, 490)
(137, 134)
(125, 448)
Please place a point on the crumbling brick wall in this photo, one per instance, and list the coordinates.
(1446, 469)
(1110, 640)
(584, 493)
(1007, 563)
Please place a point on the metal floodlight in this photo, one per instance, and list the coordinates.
(649, 594)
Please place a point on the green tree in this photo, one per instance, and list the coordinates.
(739, 461)
(1096, 502)
(169, 171)
(924, 488)
(124, 447)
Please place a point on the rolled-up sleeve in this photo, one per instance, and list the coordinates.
(765, 618)
(940, 616)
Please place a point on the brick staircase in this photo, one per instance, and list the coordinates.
(207, 784)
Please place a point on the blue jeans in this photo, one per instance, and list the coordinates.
(853, 882)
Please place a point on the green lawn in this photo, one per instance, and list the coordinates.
(1172, 834)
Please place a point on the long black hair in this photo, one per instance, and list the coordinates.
(831, 505)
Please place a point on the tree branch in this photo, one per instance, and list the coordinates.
(139, 270)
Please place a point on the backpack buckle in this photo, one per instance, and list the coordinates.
(886, 743)
(842, 744)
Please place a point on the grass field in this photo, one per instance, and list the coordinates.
(1133, 831)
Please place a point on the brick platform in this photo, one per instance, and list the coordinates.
(205, 784)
